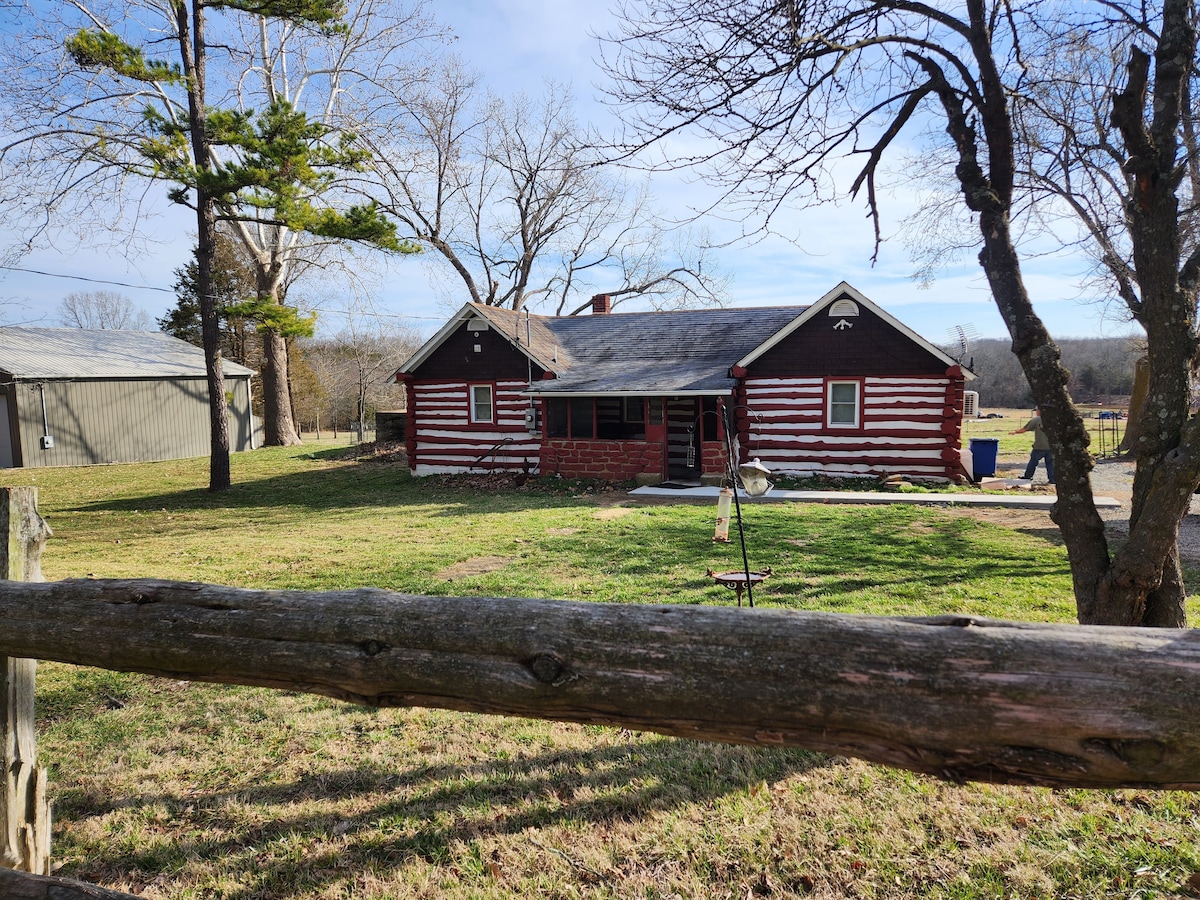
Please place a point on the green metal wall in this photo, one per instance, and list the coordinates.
(100, 421)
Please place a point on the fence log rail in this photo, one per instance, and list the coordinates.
(956, 697)
(22, 886)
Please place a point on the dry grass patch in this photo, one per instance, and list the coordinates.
(476, 565)
(193, 791)
(611, 512)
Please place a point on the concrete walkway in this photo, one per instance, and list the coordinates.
(997, 501)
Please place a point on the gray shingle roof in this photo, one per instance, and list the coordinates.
(533, 334)
(659, 352)
(27, 353)
(651, 353)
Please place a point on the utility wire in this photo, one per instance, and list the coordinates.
(140, 287)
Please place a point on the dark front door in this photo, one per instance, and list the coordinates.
(683, 439)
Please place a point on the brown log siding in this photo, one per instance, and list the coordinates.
(870, 346)
(457, 360)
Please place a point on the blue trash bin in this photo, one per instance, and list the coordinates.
(983, 456)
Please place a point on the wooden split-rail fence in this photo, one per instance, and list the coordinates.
(952, 696)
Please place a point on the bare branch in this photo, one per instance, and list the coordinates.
(518, 202)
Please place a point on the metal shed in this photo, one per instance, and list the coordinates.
(73, 397)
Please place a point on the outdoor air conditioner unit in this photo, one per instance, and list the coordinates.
(970, 404)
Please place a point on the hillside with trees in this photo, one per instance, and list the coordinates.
(1101, 371)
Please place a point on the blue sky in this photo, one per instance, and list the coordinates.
(517, 44)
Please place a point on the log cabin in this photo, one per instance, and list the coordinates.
(839, 387)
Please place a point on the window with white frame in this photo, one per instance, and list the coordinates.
(843, 404)
(481, 403)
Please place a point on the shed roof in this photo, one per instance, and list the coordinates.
(31, 353)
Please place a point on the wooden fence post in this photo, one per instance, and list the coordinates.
(24, 809)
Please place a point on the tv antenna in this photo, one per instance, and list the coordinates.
(963, 335)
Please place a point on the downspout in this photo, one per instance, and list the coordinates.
(47, 441)
(250, 415)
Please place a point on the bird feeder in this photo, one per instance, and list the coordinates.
(753, 476)
(724, 503)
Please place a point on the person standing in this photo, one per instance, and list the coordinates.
(1041, 447)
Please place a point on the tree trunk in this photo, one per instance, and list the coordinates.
(1166, 605)
(1074, 512)
(279, 429)
(1141, 583)
(954, 697)
(219, 478)
(24, 809)
(362, 408)
(192, 51)
(1146, 584)
(1137, 405)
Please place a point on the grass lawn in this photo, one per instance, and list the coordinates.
(1106, 433)
(182, 790)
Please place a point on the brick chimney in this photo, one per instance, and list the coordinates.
(601, 304)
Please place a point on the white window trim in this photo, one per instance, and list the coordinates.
(858, 398)
(471, 404)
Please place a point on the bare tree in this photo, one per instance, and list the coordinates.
(1102, 371)
(520, 204)
(310, 392)
(100, 310)
(779, 92)
(331, 75)
(353, 367)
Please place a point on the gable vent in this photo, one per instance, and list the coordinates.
(843, 308)
(477, 325)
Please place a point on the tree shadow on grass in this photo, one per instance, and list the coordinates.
(417, 813)
(1050, 534)
(367, 486)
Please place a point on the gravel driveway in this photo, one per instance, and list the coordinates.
(1113, 477)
